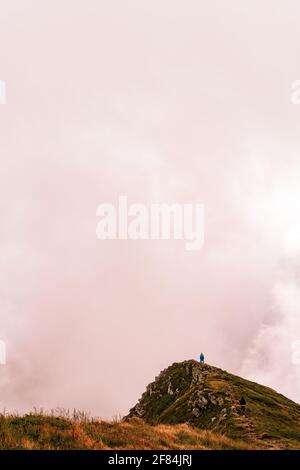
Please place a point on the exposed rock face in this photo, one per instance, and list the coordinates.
(208, 397)
(183, 393)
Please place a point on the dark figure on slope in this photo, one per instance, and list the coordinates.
(243, 404)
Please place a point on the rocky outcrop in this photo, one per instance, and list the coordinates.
(207, 397)
(182, 393)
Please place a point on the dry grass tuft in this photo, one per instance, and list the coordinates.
(76, 431)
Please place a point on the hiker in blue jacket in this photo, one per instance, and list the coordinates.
(202, 358)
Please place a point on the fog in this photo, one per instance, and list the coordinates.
(164, 102)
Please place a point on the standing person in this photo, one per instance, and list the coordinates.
(202, 358)
(243, 404)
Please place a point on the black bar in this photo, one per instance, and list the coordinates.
(183, 459)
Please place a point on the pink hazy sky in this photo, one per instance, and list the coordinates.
(162, 101)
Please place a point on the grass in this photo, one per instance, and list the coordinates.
(48, 432)
(270, 420)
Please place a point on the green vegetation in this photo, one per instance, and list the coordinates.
(39, 431)
(206, 397)
(188, 406)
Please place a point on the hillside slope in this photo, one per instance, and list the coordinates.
(188, 406)
(208, 398)
(39, 431)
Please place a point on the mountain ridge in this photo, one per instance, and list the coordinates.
(207, 397)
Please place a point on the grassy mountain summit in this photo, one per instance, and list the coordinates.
(206, 397)
(188, 406)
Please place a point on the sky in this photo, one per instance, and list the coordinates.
(163, 101)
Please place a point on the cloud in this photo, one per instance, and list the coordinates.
(163, 105)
